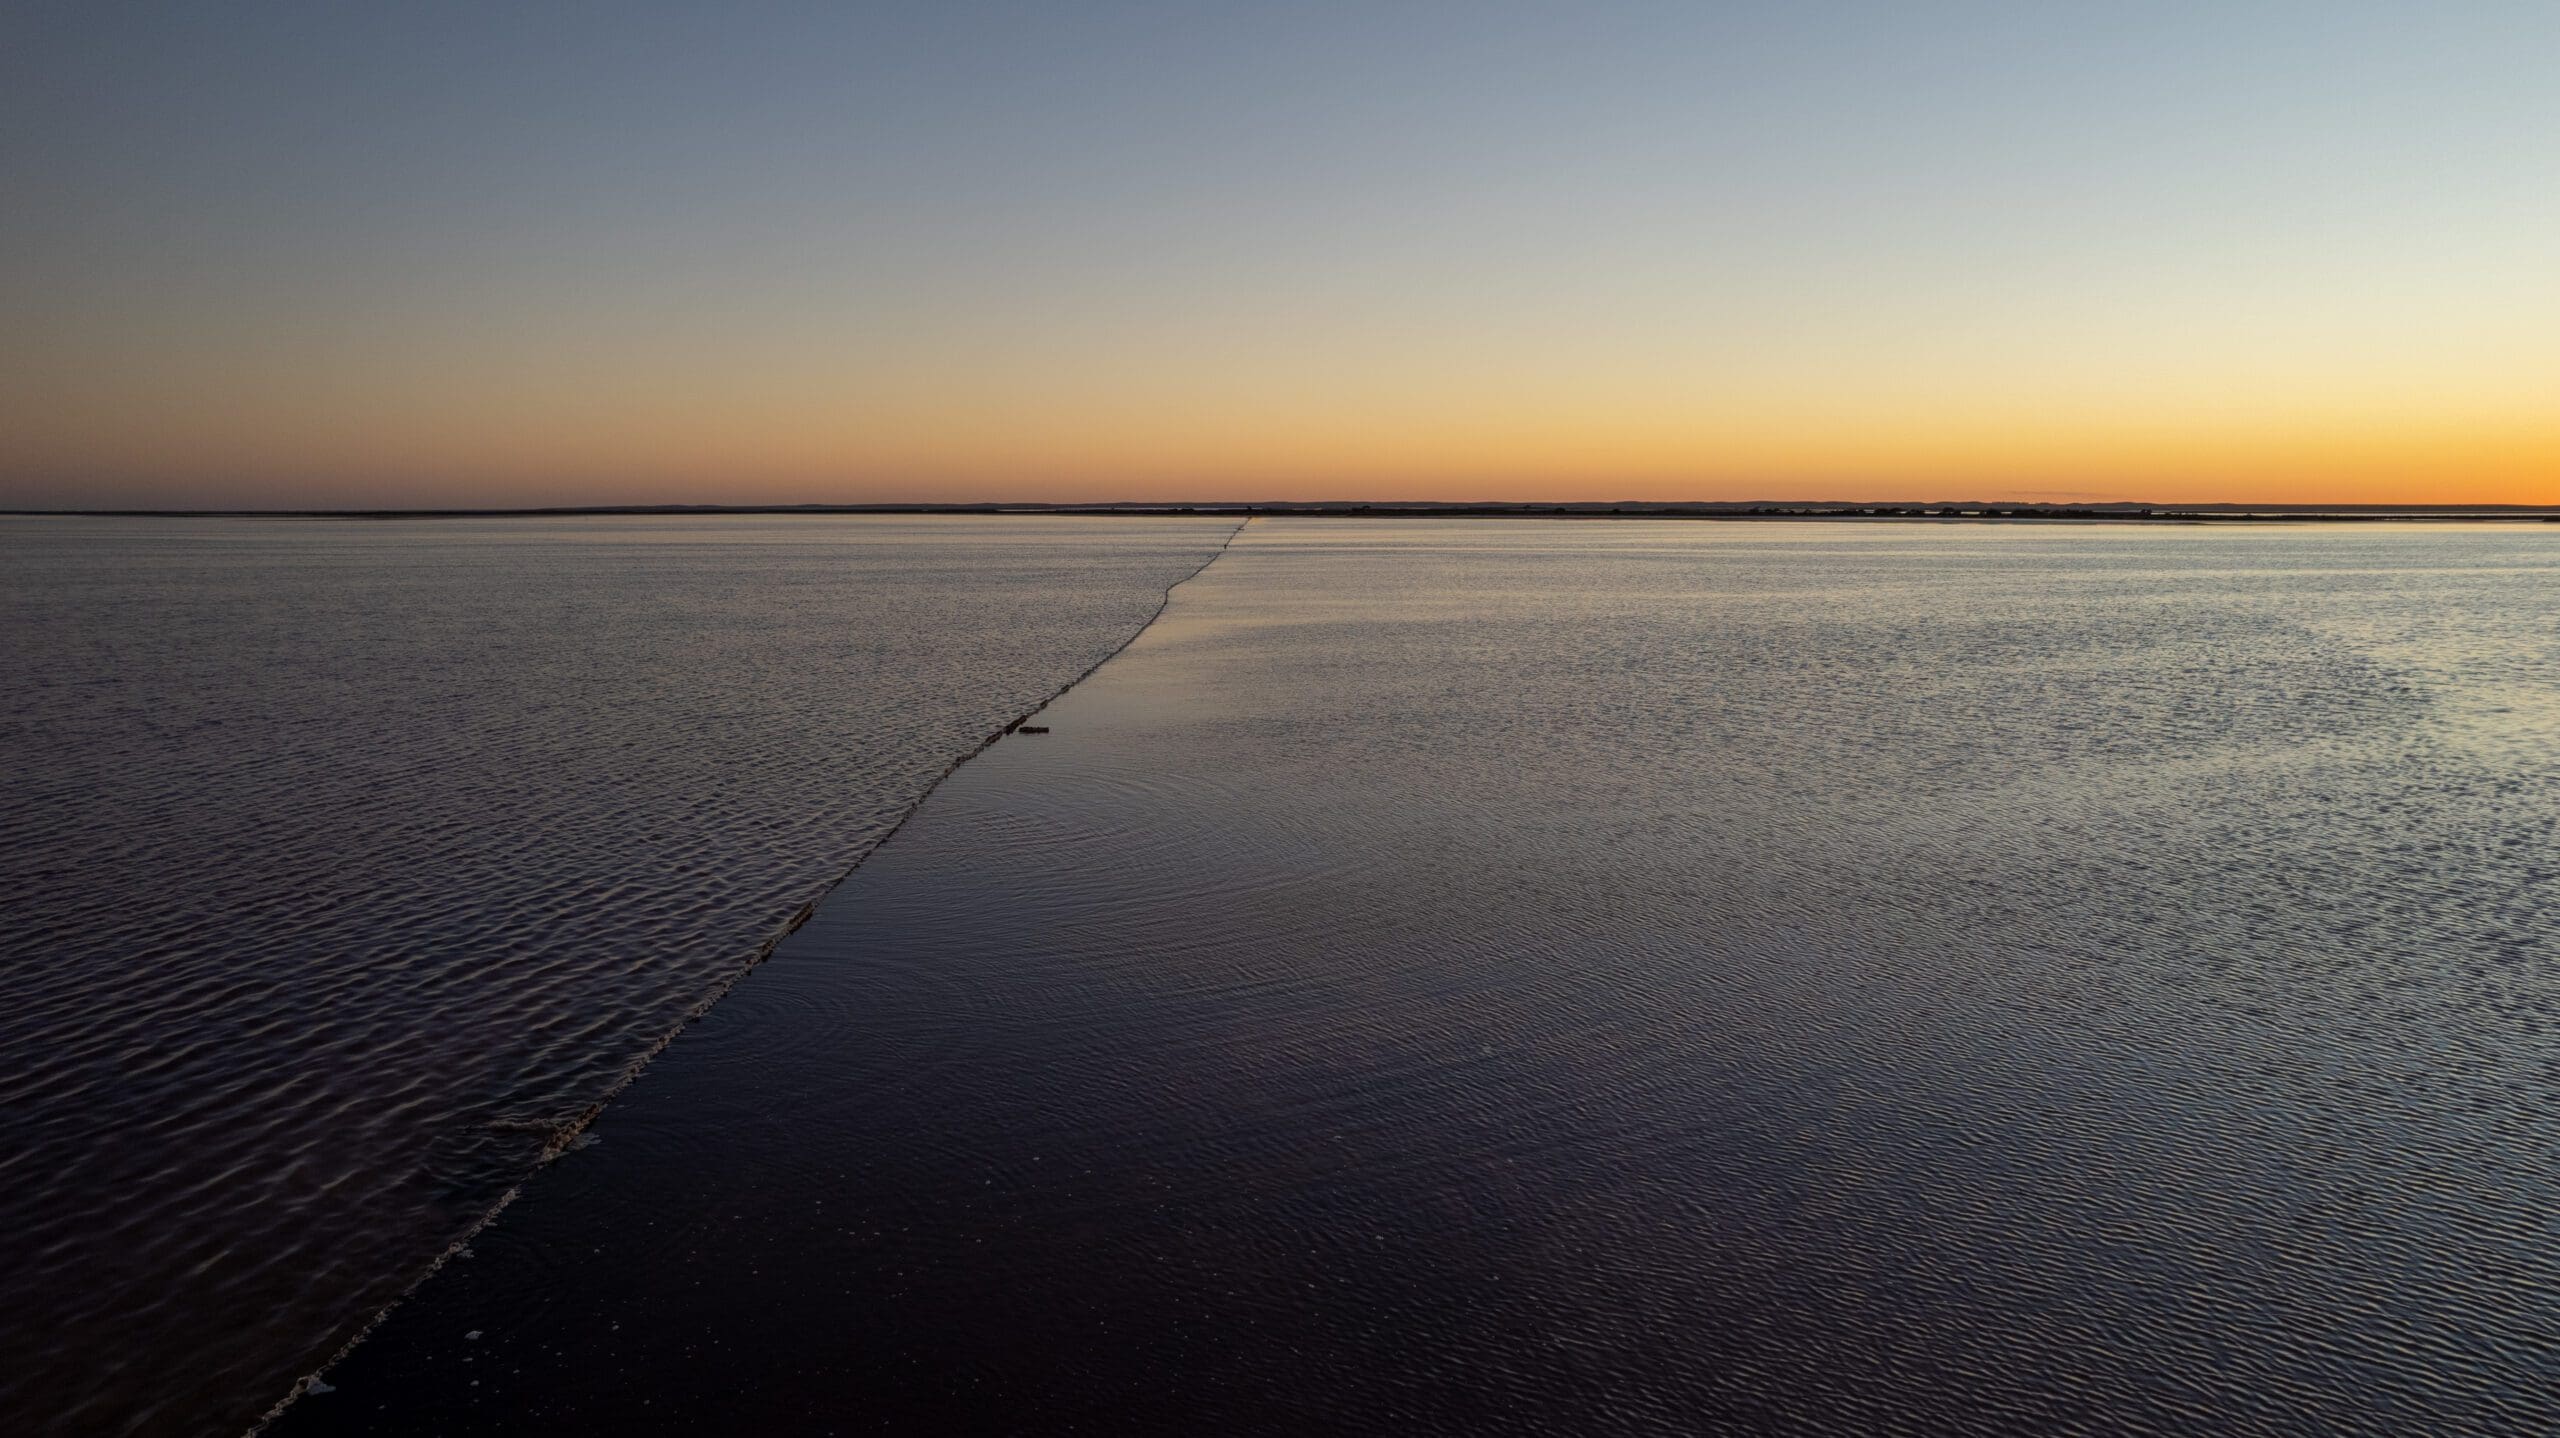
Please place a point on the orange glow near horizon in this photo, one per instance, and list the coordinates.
(2257, 384)
(590, 433)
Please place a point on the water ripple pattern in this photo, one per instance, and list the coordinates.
(345, 866)
(1576, 978)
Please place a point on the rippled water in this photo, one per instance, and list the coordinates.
(343, 866)
(1633, 977)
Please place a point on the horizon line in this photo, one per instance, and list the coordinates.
(1907, 509)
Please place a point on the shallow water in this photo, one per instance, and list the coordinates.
(1632, 977)
(344, 864)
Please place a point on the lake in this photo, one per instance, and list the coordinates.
(1641, 977)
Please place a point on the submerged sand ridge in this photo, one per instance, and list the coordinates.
(1572, 978)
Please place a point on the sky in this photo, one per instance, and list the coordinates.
(283, 255)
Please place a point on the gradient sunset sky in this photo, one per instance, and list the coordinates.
(268, 254)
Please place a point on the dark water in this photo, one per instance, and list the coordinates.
(1617, 977)
(343, 866)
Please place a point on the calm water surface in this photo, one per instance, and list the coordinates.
(344, 866)
(1632, 977)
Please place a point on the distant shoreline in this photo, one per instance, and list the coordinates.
(1958, 511)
